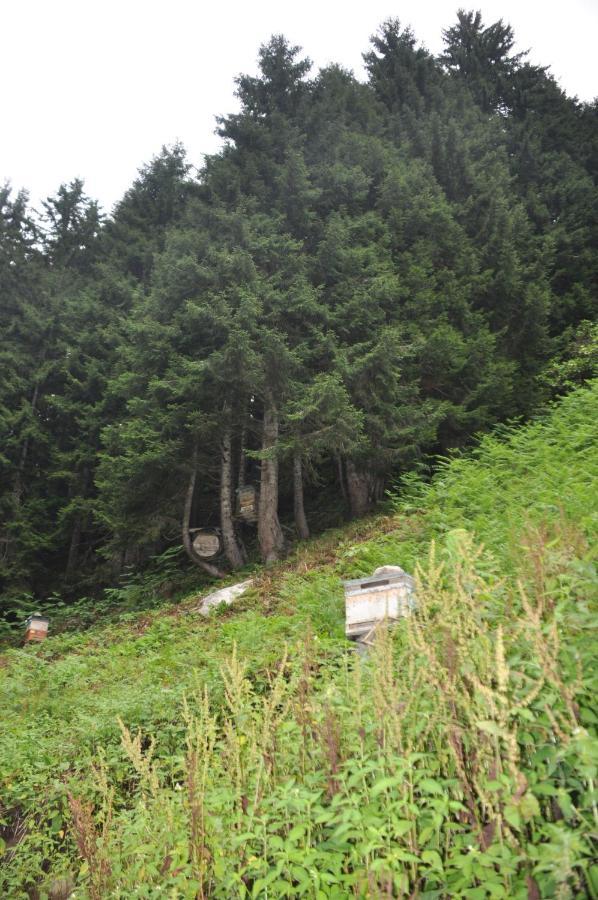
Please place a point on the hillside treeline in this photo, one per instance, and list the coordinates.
(364, 275)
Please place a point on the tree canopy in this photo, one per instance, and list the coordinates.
(366, 274)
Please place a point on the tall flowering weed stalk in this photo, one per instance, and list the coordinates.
(457, 760)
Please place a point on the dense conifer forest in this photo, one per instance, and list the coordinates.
(362, 335)
(367, 274)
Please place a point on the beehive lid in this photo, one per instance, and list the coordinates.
(382, 578)
(36, 620)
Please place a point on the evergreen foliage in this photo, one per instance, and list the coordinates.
(365, 275)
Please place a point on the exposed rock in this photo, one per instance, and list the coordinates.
(225, 595)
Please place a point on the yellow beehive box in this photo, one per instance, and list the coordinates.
(36, 628)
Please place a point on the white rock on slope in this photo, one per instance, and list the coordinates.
(225, 595)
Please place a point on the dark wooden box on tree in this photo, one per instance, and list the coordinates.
(387, 595)
(247, 503)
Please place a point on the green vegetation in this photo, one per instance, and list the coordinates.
(166, 754)
(366, 279)
(368, 274)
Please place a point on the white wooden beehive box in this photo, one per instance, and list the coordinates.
(387, 595)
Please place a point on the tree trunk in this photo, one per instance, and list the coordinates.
(269, 532)
(117, 557)
(359, 487)
(187, 543)
(300, 517)
(79, 526)
(232, 549)
(18, 483)
(17, 487)
(242, 459)
(73, 557)
(341, 477)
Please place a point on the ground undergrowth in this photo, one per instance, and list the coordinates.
(253, 754)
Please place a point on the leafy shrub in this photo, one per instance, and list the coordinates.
(455, 761)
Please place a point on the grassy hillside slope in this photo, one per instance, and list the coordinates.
(253, 754)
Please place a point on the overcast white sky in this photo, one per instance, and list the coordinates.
(93, 88)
